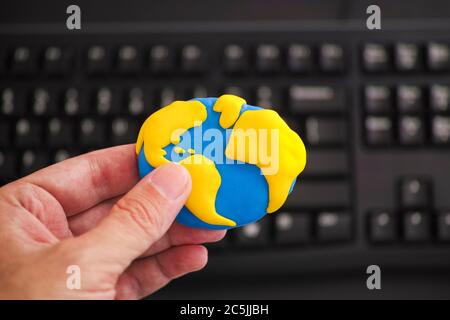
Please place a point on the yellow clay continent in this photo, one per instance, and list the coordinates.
(230, 107)
(167, 125)
(206, 181)
(288, 150)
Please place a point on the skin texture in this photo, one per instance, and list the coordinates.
(93, 211)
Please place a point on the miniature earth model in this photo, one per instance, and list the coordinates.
(243, 160)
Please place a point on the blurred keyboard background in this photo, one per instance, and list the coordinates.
(373, 108)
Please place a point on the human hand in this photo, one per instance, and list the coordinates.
(93, 212)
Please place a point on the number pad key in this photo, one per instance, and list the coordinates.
(411, 131)
(376, 57)
(378, 99)
(440, 130)
(382, 227)
(409, 99)
(379, 131)
(408, 57)
(415, 193)
(440, 98)
(416, 226)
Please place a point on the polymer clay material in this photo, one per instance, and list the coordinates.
(243, 160)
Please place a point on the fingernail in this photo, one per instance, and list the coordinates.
(170, 180)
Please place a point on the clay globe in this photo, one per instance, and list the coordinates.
(232, 185)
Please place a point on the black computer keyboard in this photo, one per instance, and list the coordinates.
(373, 111)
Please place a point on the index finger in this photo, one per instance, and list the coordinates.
(84, 181)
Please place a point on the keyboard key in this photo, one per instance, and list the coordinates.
(378, 131)
(382, 227)
(73, 102)
(333, 226)
(161, 59)
(8, 165)
(267, 97)
(378, 99)
(106, 101)
(193, 59)
(376, 58)
(268, 58)
(32, 161)
(98, 60)
(408, 57)
(299, 58)
(316, 99)
(312, 194)
(235, 59)
(440, 98)
(138, 102)
(440, 130)
(28, 133)
(23, 61)
(123, 131)
(438, 56)
(325, 131)
(128, 59)
(63, 154)
(409, 99)
(416, 226)
(92, 133)
(57, 60)
(443, 226)
(292, 227)
(411, 131)
(253, 234)
(414, 193)
(12, 102)
(60, 133)
(43, 102)
(167, 95)
(326, 163)
(331, 58)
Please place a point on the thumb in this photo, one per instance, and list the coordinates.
(140, 217)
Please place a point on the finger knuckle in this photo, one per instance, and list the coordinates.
(145, 214)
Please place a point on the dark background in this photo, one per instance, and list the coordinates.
(331, 271)
(22, 11)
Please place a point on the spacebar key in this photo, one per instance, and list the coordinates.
(319, 194)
